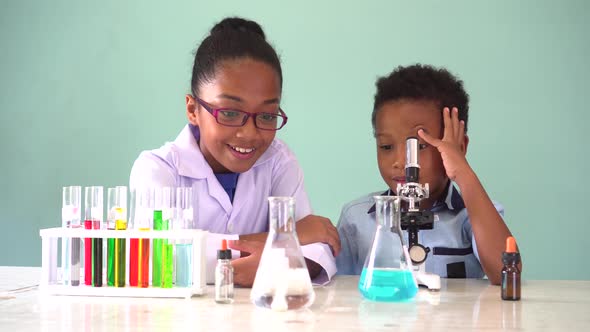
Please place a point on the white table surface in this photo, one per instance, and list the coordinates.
(461, 305)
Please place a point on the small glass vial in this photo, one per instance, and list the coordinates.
(224, 276)
(510, 272)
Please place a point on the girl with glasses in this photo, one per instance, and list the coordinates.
(229, 155)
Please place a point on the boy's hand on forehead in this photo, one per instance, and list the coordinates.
(452, 146)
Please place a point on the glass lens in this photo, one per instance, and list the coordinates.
(269, 121)
(231, 117)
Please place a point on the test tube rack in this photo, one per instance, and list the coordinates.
(52, 282)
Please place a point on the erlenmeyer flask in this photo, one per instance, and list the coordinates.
(387, 273)
(282, 280)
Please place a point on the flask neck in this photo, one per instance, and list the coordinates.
(283, 226)
(282, 214)
(387, 211)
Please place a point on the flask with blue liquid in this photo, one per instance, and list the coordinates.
(387, 273)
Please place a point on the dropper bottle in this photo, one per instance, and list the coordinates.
(510, 272)
(224, 275)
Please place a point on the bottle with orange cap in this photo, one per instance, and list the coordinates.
(224, 275)
(511, 272)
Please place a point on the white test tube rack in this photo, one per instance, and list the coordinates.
(52, 283)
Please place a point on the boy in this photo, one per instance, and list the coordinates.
(468, 235)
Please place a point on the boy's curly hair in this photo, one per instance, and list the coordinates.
(423, 83)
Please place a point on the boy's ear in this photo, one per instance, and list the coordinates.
(465, 144)
(191, 110)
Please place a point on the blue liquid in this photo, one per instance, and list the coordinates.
(387, 285)
(184, 265)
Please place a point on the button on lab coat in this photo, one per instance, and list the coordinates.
(275, 173)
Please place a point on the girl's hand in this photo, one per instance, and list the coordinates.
(452, 146)
(313, 229)
(245, 267)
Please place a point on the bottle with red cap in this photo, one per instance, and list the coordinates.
(511, 272)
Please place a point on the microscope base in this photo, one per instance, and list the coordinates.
(430, 280)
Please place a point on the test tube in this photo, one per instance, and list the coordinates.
(70, 217)
(183, 219)
(116, 220)
(140, 217)
(93, 246)
(162, 259)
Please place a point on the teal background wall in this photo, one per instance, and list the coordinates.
(86, 85)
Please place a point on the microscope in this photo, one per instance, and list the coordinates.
(413, 219)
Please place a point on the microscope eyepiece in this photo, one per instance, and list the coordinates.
(412, 165)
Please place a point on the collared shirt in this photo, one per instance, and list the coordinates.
(453, 250)
(229, 181)
(275, 173)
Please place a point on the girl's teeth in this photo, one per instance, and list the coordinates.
(242, 150)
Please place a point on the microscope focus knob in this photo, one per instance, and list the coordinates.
(418, 253)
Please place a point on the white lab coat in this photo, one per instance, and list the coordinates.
(275, 173)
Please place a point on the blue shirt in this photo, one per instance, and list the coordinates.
(229, 182)
(453, 250)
